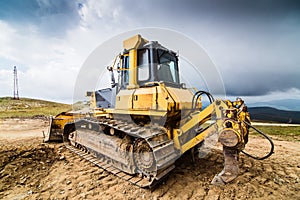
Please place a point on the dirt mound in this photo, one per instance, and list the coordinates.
(24, 163)
(32, 170)
(20, 166)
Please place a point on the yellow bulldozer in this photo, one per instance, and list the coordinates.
(140, 126)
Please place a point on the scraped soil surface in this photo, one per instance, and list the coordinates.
(31, 169)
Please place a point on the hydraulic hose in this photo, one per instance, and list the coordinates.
(198, 94)
(265, 136)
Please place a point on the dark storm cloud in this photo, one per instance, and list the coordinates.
(255, 44)
(51, 17)
(254, 83)
(199, 10)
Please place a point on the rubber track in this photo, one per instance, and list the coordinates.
(132, 130)
(141, 182)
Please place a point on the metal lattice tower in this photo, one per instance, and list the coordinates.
(16, 87)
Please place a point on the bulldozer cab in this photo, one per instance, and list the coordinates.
(145, 62)
(142, 64)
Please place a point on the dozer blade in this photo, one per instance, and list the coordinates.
(58, 125)
(54, 133)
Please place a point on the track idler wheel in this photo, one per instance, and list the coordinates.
(144, 158)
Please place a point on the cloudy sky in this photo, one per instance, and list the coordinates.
(254, 44)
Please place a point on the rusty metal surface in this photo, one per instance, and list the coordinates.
(229, 138)
(231, 167)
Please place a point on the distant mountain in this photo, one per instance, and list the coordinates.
(274, 115)
(283, 104)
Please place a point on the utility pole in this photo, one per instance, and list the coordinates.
(16, 87)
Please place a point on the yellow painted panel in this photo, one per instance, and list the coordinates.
(144, 98)
(138, 112)
(197, 118)
(132, 69)
(183, 97)
(199, 138)
(124, 99)
(134, 42)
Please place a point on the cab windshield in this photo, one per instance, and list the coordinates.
(167, 69)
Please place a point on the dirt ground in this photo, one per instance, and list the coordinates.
(30, 169)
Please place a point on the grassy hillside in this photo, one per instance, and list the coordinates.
(25, 107)
(291, 133)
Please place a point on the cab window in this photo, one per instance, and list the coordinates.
(125, 68)
(143, 65)
(167, 69)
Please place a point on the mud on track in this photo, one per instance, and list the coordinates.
(30, 169)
